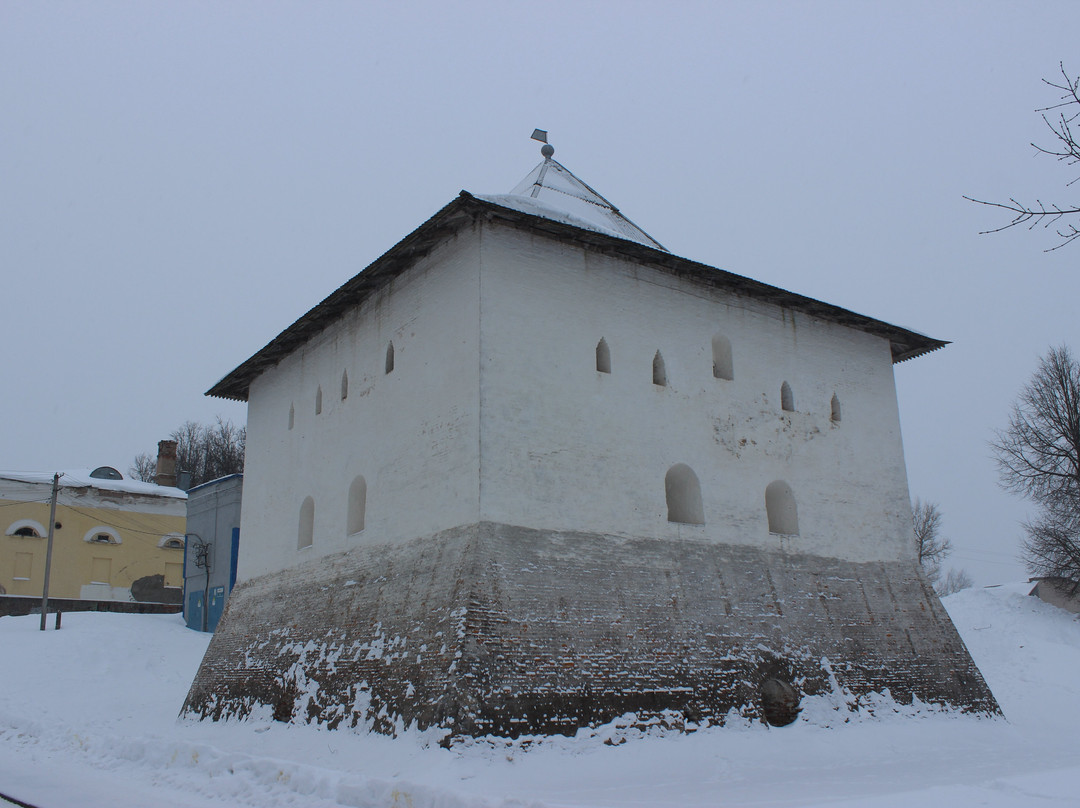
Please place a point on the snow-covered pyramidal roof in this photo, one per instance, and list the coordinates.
(552, 191)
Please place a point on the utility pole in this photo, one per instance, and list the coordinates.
(48, 549)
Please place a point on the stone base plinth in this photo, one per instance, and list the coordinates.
(494, 629)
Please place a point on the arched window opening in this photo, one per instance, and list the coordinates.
(305, 535)
(102, 534)
(603, 356)
(106, 473)
(27, 529)
(721, 358)
(318, 401)
(781, 510)
(172, 541)
(835, 409)
(787, 398)
(390, 357)
(344, 384)
(659, 372)
(683, 493)
(292, 415)
(354, 520)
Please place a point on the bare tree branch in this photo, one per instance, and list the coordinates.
(1066, 150)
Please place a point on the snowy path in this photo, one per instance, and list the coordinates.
(88, 718)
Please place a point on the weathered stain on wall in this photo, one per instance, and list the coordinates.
(152, 589)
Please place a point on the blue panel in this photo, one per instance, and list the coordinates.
(217, 605)
(184, 597)
(194, 611)
(234, 556)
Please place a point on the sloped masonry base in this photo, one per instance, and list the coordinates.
(494, 629)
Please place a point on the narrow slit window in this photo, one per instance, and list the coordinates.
(344, 384)
(603, 357)
(787, 398)
(780, 509)
(390, 357)
(659, 372)
(721, 358)
(292, 415)
(357, 507)
(834, 409)
(305, 535)
(318, 401)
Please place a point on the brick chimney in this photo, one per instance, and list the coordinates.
(166, 463)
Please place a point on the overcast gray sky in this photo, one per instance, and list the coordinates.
(180, 181)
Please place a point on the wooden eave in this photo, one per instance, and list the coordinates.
(466, 209)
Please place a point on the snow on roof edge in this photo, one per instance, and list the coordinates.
(535, 207)
(905, 343)
(80, 478)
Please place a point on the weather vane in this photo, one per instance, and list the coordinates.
(547, 149)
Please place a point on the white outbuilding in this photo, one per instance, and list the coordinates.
(530, 471)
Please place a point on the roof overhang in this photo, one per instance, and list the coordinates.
(467, 209)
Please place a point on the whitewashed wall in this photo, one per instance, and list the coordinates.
(413, 433)
(495, 411)
(566, 447)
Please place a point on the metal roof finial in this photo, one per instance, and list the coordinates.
(547, 149)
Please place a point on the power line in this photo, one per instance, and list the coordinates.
(119, 523)
(24, 502)
(978, 552)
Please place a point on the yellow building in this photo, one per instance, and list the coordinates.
(114, 538)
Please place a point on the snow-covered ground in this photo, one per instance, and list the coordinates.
(88, 718)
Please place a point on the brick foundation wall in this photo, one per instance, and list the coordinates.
(494, 629)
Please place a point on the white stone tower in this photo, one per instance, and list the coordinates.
(530, 471)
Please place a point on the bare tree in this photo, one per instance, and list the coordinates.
(1051, 547)
(1038, 453)
(1059, 119)
(206, 452)
(225, 444)
(1038, 456)
(144, 467)
(954, 582)
(931, 547)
